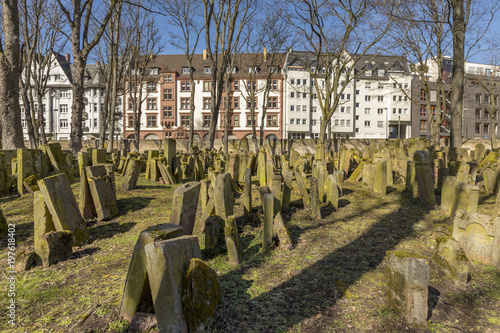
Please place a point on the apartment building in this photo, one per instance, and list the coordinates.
(167, 91)
(58, 102)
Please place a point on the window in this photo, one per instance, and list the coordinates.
(357, 130)
(167, 78)
(207, 85)
(304, 108)
(250, 122)
(151, 121)
(153, 71)
(304, 95)
(367, 110)
(423, 111)
(151, 87)
(380, 85)
(63, 123)
(167, 94)
(357, 105)
(478, 128)
(342, 122)
(253, 69)
(381, 72)
(298, 82)
(130, 121)
(207, 70)
(185, 70)
(380, 111)
(272, 102)
(342, 109)
(236, 102)
(422, 94)
(380, 124)
(292, 94)
(368, 85)
(151, 104)
(304, 82)
(348, 109)
(314, 109)
(207, 103)
(251, 85)
(348, 122)
(423, 125)
(478, 113)
(394, 110)
(368, 73)
(433, 109)
(273, 85)
(206, 120)
(380, 98)
(486, 128)
(304, 121)
(23, 123)
(357, 92)
(272, 120)
(368, 123)
(185, 86)
(185, 103)
(251, 104)
(368, 98)
(236, 85)
(292, 81)
(64, 108)
(167, 112)
(185, 120)
(236, 120)
(292, 121)
(292, 108)
(314, 122)
(64, 93)
(348, 97)
(336, 123)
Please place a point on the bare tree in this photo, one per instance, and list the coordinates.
(224, 24)
(144, 39)
(10, 111)
(40, 29)
(337, 34)
(79, 18)
(184, 14)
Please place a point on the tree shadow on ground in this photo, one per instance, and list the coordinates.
(153, 186)
(108, 230)
(313, 289)
(133, 204)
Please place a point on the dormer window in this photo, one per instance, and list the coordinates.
(253, 69)
(154, 71)
(381, 72)
(274, 69)
(208, 70)
(228, 70)
(185, 70)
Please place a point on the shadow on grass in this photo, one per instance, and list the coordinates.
(133, 204)
(152, 186)
(313, 289)
(108, 230)
(10, 197)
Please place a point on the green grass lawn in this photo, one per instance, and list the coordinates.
(332, 281)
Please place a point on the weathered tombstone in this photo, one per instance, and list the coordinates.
(467, 197)
(43, 222)
(380, 178)
(281, 231)
(214, 232)
(184, 206)
(424, 178)
(369, 176)
(4, 227)
(269, 172)
(200, 295)
(62, 205)
(247, 192)
(332, 191)
(407, 286)
(131, 176)
(302, 188)
(101, 189)
(277, 193)
(57, 159)
(262, 171)
(136, 295)
(232, 241)
(234, 166)
(223, 196)
(287, 189)
(165, 173)
(98, 156)
(29, 162)
(449, 195)
(55, 246)
(314, 198)
(267, 238)
(167, 262)
(479, 236)
(451, 259)
(169, 151)
(321, 177)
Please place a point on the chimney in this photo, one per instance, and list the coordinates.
(68, 57)
(265, 54)
(204, 54)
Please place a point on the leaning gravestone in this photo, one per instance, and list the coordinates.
(62, 205)
(451, 259)
(137, 292)
(131, 176)
(184, 206)
(281, 231)
(101, 189)
(407, 285)
(167, 262)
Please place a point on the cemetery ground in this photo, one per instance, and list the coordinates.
(333, 280)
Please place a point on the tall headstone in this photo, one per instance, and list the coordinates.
(247, 192)
(184, 206)
(314, 198)
(267, 239)
(101, 189)
(223, 196)
(287, 189)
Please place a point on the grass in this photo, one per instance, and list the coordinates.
(332, 281)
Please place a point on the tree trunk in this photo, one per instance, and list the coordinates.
(322, 131)
(10, 111)
(75, 143)
(40, 120)
(191, 111)
(492, 119)
(457, 88)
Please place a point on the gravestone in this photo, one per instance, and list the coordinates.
(302, 188)
(277, 193)
(380, 179)
(449, 198)
(101, 188)
(214, 232)
(407, 286)
(451, 259)
(58, 159)
(247, 193)
(184, 206)
(281, 231)
(314, 198)
(232, 241)
(169, 151)
(479, 236)
(136, 295)
(267, 239)
(42, 218)
(131, 176)
(62, 205)
(223, 196)
(287, 189)
(4, 227)
(424, 178)
(55, 246)
(332, 192)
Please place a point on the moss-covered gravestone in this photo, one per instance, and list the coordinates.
(55, 246)
(43, 222)
(232, 241)
(281, 231)
(137, 292)
(101, 188)
(223, 196)
(314, 198)
(4, 227)
(167, 262)
(302, 188)
(200, 295)
(449, 195)
(214, 232)
(129, 181)
(58, 159)
(451, 259)
(407, 285)
(332, 191)
(424, 178)
(247, 192)
(62, 205)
